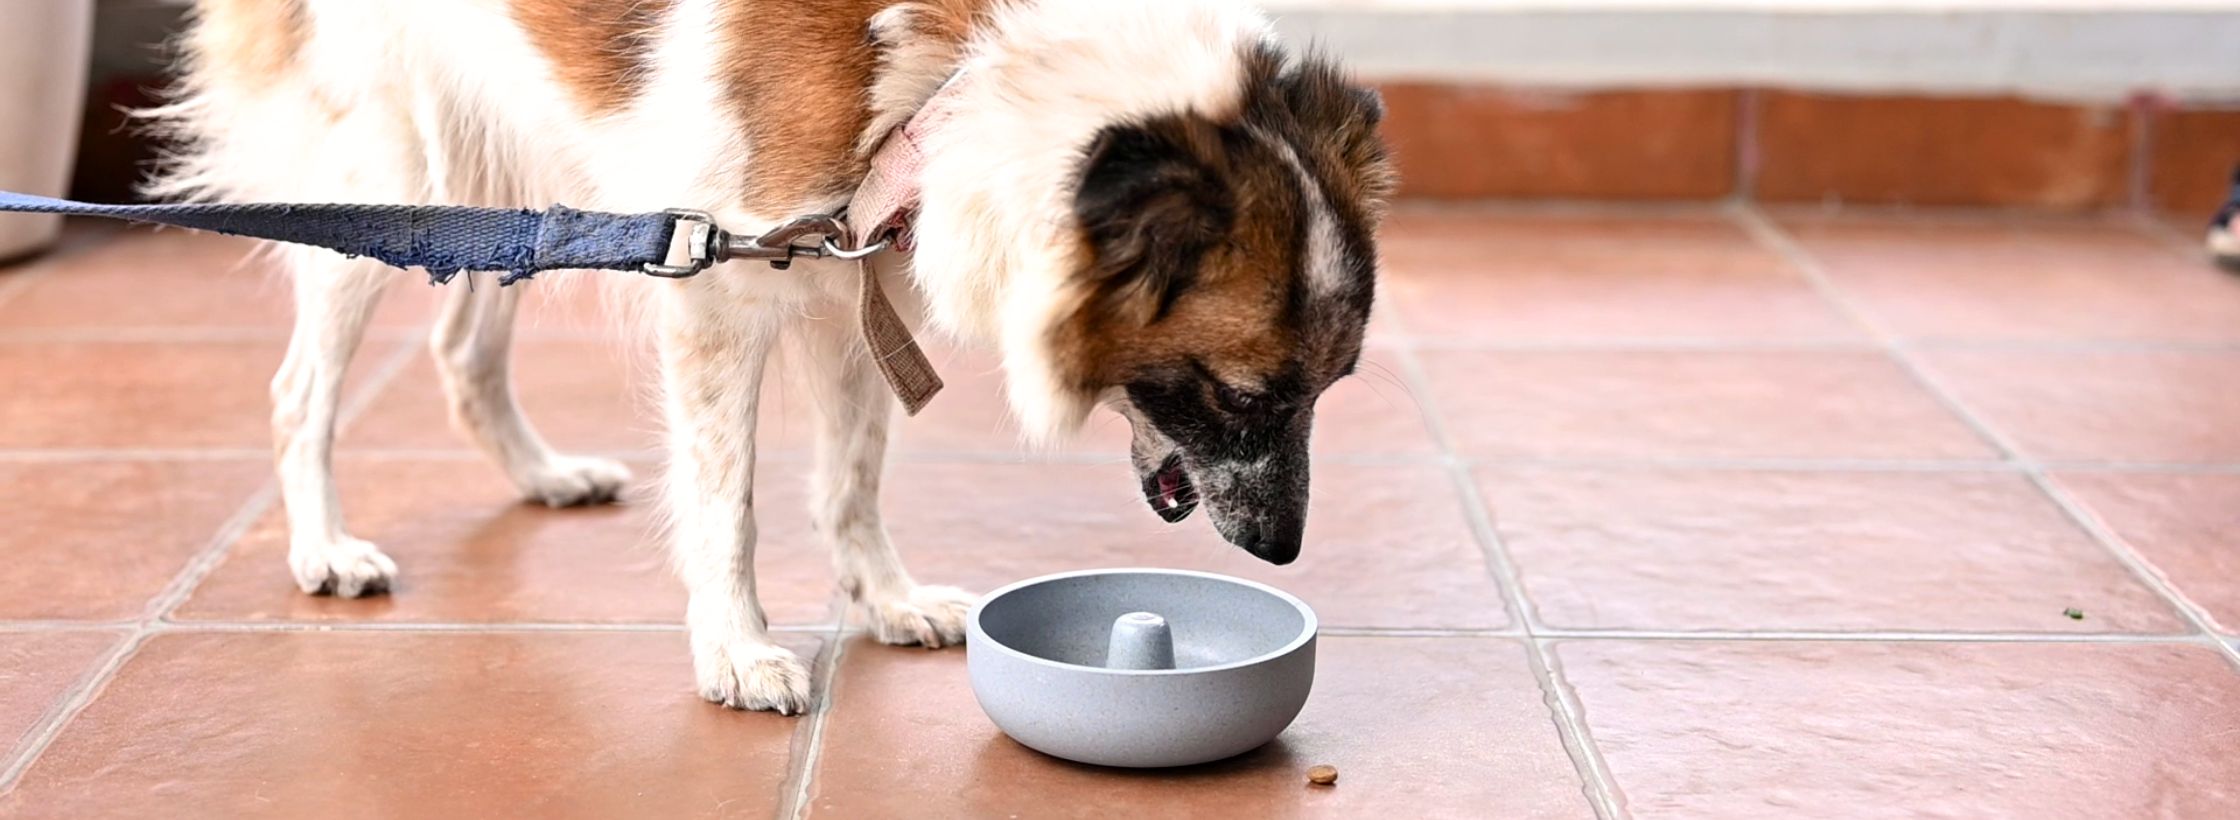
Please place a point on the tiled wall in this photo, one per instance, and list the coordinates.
(1464, 142)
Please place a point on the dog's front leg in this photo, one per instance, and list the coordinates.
(712, 355)
(853, 410)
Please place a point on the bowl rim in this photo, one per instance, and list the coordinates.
(1307, 633)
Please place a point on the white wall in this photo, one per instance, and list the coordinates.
(2065, 49)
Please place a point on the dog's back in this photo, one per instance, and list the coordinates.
(623, 104)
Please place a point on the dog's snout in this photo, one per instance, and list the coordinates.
(1277, 543)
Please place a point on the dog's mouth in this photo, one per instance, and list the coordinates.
(1169, 490)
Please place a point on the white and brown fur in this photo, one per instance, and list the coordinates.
(1147, 205)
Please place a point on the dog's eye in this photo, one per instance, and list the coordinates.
(1233, 400)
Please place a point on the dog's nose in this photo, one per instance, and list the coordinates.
(1277, 543)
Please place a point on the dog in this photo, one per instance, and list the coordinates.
(1151, 206)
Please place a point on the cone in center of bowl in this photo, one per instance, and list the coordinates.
(1140, 640)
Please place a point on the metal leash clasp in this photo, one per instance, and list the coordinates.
(815, 236)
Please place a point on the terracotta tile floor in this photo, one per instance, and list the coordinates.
(1657, 513)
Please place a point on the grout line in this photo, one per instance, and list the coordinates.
(73, 701)
(804, 772)
(2146, 571)
(31, 626)
(1768, 235)
(1561, 207)
(1771, 235)
(1963, 215)
(1772, 238)
(152, 334)
(183, 584)
(1557, 689)
(2162, 233)
(1597, 786)
(133, 454)
(169, 626)
(1621, 344)
(1602, 790)
(2139, 467)
(190, 576)
(185, 334)
(1419, 632)
(2106, 346)
(1746, 465)
(1713, 344)
(1871, 637)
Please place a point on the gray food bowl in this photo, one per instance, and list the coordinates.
(1141, 667)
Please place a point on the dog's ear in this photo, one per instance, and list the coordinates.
(1153, 199)
(1372, 105)
(1338, 122)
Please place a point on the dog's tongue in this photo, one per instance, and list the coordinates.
(1170, 486)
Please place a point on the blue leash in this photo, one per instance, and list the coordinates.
(447, 239)
(443, 240)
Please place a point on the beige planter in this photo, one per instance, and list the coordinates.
(44, 46)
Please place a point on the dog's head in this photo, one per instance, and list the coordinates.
(1204, 263)
(1230, 275)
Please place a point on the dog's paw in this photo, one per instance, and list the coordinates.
(344, 568)
(754, 677)
(573, 481)
(932, 617)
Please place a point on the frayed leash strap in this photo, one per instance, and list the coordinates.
(908, 372)
(443, 240)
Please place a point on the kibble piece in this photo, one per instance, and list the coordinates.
(2074, 613)
(1322, 775)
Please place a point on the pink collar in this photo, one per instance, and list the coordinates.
(886, 204)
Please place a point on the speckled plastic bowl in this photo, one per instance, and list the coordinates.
(1243, 655)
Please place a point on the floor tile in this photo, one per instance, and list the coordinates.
(36, 670)
(1730, 550)
(468, 550)
(145, 280)
(2161, 406)
(1466, 735)
(1781, 404)
(2187, 526)
(2023, 279)
(422, 725)
(1766, 729)
(1386, 546)
(99, 540)
(1462, 277)
(581, 395)
(146, 394)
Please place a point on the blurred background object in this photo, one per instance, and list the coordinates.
(43, 47)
